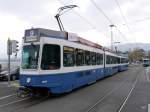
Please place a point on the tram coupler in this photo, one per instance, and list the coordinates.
(28, 92)
(24, 92)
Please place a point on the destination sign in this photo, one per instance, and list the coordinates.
(31, 35)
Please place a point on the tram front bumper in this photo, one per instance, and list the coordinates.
(40, 81)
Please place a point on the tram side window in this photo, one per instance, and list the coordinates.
(93, 58)
(68, 56)
(122, 60)
(87, 58)
(118, 60)
(108, 59)
(79, 57)
(99, 59)
(111, 60)
(115, 60)
(50, 57)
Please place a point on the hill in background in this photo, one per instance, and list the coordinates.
(131, 46)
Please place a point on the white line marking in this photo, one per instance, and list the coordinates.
(147, 77)
(147, 74)
(148, 107)
(1, 106)
(133, 86)
(1, 98)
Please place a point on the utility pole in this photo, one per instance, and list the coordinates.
(116, 48)
(111, 29)
(12, 47)
(9, 52)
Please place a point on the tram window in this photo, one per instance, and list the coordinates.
(114, 60)
(99, 59)
(118, 60)
(108, 59)
(111, 60)
(68, 56)
(50, 57)
(122, 60)
(93, 58)
(87, 58)
(30, 55)
(79, 57)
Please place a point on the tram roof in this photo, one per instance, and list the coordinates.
(42, 32)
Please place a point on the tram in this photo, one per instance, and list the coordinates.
(146, 62)
(59, 61)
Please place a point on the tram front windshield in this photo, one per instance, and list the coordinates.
(30, 57)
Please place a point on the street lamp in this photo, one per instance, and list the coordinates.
(116, 46)
(61, 11)
(111, 27)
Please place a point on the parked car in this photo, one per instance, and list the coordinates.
(14, 74)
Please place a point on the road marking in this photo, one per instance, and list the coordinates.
(133, 86)
(1, 106)
(148, 107)
(1, 98)
(147, 74)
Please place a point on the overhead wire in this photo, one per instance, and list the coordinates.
(125, 20)
(103, 13)
(138, 21)
(123, 16)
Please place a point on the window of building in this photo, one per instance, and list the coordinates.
(50, 57)
(68, 56)
(79, 57)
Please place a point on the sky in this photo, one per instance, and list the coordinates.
(90, 20)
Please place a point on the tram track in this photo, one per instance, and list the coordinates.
(21, 104)
(127, 97)
(22, 107)
(8, 96)
(102, 98)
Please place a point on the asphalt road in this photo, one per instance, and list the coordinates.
(127, 91)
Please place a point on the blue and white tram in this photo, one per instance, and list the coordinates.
(111, 63)
(123, 64)
(146, 62)
(55, 61)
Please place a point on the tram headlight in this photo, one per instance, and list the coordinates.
(28, 80)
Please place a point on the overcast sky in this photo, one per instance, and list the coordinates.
(88, 21)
